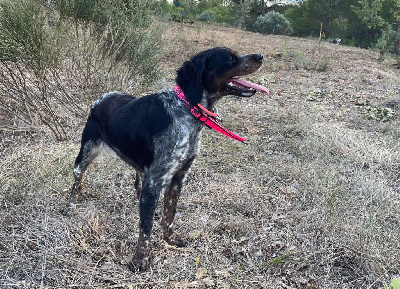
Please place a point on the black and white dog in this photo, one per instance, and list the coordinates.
(159, 134)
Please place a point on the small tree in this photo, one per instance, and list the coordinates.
(368, 13)
(397, 43)
(386, 42)
(272, 23)
(207, 16)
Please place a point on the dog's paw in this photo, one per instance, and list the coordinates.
(139, 265)
(68, 210)
(177, 241)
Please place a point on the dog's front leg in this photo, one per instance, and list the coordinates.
(148, 201)
(138, 183)
(171, 197)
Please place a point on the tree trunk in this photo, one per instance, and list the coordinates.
(397, 44)
(262, 7)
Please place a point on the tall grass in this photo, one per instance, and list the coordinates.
(56, 58)
(123, 29)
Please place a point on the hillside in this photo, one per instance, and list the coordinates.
(311, 202)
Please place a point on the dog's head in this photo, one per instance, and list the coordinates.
(215, 73)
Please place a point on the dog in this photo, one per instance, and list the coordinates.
(159, 134)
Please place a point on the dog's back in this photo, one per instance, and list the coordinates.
(128, 124)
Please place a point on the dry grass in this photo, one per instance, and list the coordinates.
(311, 202)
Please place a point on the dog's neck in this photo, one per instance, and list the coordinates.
(203, 107)
(201, 113)
(208, 101)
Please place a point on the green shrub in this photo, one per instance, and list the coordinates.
(23, 34)
(387, 40)
(27, 54)
(378, 113)
(163, 8)
(240, 15)
(272, 23)
(221, 12)
(124, 27)
(207, 16)
(312, 63)
(349, 42)
(55, 58)
(78, 9)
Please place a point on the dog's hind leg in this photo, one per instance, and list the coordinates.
(91, 146)
(171, 197)
(138, 183)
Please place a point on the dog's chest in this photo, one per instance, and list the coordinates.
(187, 138)
(180, 141)
(182, 149)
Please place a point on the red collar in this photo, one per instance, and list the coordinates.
(205, 116)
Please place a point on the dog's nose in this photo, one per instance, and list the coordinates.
(260, 57)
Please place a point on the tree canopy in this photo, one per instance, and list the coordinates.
(363, 23)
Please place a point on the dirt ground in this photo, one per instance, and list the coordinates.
(312, 201)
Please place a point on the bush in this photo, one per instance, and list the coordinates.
(207, 16)
(26, 55)
(215, 11)
(387, 40)
(272, 23)
(240, 15)
(55, 59)
(124, 27)
(163, 9)
(378, 113)
(23, 35)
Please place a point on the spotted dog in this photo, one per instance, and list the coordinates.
(159, 134)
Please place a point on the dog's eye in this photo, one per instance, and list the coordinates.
(232, 59)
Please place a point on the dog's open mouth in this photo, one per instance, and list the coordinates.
(241, 87)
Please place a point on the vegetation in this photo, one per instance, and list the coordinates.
(60, 54)
(207, 16)
(311, 202)
(272, 23)
(356, 22)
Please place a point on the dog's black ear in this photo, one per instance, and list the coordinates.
(190, 79)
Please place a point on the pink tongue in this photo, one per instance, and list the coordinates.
(245, 83)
